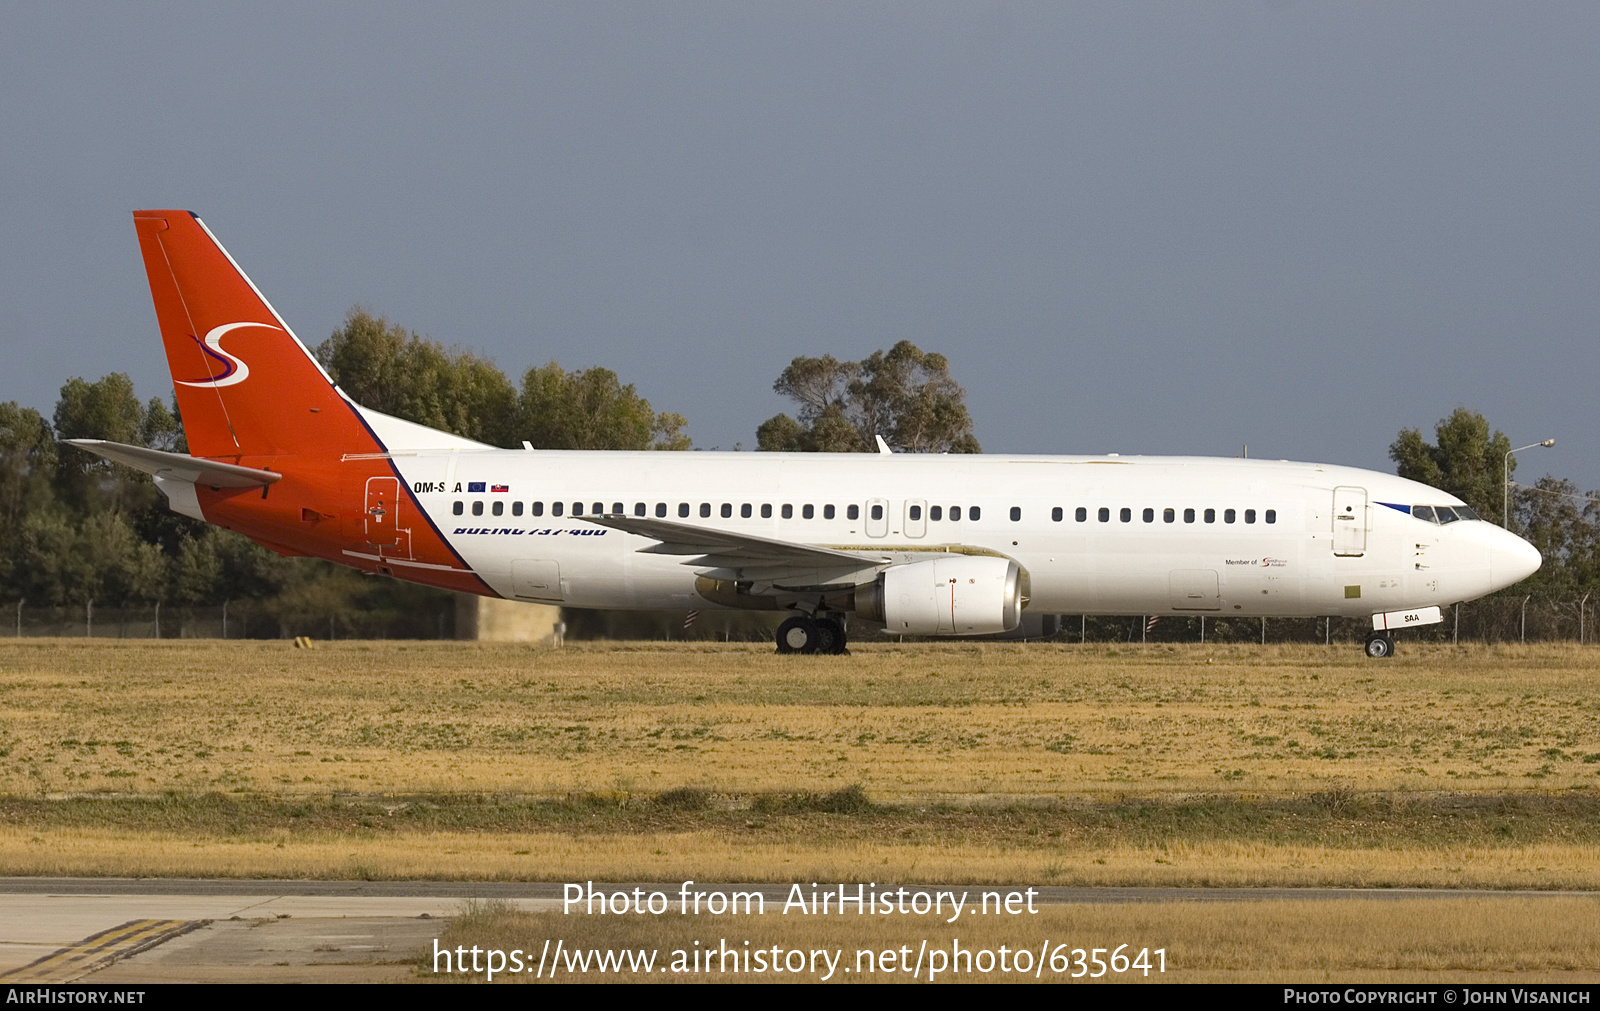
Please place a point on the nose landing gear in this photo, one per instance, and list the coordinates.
(1380, 645)
(802, 634)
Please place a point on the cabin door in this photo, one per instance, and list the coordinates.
(1349, 521)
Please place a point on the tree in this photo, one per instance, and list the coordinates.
(1467, 461)
(591, 409)
(391, 369)
(1562, 523)
(103, 409)
(905, 395)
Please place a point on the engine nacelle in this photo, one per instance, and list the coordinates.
(949, 595)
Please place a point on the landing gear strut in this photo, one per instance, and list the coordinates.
(802, 634)
(1380, 645)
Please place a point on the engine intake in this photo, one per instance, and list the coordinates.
(949, 595)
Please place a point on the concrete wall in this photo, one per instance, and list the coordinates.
(490, 619)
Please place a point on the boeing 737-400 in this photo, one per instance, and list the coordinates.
(926, 545)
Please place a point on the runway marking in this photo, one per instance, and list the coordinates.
(99, 950)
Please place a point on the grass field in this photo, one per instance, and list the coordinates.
(1160, 764)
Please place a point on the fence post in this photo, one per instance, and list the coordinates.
(19, 619)
(158, 619)
(88, 619)
(1455, 634)
(1524, 633)
(1581, 603)
(1263, 630)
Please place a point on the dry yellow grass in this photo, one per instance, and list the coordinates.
(1469, 940)
(1073, 765)
(912, 722)
(809, 852)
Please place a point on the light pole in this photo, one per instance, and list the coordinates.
(1505, 480)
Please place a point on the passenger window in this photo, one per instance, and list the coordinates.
(827, 512)
(577, 508)
(853, 512)
(638, 508)
(661, 510)
(1016, 513)
(915, 512)
(538, 509)
(1211, 515)
(556, 508)
(744, 511)
(457, 509)
(1056, 514)
(1105, 515)
(766, 511)
(1168, 516)
(705, 510)
(477, 508)
(1149, 515)
(807, 512)
(935, 512)
(788, 511)
(1227, 515)
(1272, 516)
(516, 508)
(616, 507)
(683, 510)
(955, 514)
(1249, 515)
(1081, 515)
(1127, 515)
(974, 513)
(498, 508)
(598, 510)
(1188, 515)
(877, 512)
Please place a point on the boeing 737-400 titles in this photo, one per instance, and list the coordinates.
(926, 545)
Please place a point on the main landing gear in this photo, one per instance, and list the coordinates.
(1380, 645)
(802, 634)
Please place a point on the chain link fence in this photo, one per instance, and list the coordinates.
(1494, 620)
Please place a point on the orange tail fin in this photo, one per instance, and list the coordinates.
(245, 384)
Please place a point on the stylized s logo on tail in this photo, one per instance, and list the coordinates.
(234, 370)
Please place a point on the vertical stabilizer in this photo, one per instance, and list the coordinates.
(245, 384)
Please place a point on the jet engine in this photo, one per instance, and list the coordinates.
(948, 595)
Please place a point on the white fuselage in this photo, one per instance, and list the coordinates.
(1095, 535)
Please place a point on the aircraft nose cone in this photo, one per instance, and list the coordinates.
(1512, 559)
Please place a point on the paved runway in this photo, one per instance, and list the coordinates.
(169, 930)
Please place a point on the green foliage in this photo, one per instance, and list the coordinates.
(1466, 461)
(391, 369)
(905, 395)
(591, 409)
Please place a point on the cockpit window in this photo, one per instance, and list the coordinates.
(1443, 514)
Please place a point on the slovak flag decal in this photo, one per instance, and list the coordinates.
(499, 487)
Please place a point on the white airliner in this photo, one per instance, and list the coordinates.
(927, 545)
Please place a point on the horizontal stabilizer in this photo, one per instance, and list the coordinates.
(178, 466)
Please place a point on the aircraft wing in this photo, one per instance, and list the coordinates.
(179, 467)
(758, 558)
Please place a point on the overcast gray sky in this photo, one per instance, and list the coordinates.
(1135, 228)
